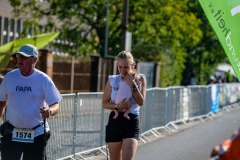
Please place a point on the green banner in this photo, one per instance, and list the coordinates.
(39, 41)
(224, 16)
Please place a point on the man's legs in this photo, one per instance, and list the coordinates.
(10, 150)
(35, 150)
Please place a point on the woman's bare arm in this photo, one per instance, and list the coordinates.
(138, 95)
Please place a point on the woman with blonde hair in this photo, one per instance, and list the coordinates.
(122, 134)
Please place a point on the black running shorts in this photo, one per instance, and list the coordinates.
(122, 128)
(11, 150)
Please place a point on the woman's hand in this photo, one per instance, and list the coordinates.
(129, 79)
(124, 104)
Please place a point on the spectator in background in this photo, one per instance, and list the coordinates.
(212, 80)
(228, 76)
(193, 78)
(234, 79)
(219, 79)
(186, 81)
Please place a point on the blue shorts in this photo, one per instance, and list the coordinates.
(122, 128)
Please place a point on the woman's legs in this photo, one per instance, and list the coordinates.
(129, 148)
(121, 136)
(115, 150)
(123, 150)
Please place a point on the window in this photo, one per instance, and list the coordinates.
(11, 34)
(29, 31)
(17, 35)
(40, 29)
(5, 31)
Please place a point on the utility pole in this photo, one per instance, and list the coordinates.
(124, 24)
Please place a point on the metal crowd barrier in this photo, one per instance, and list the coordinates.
(80, 124)
(199, 100)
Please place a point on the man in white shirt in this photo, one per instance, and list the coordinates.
(27, 93)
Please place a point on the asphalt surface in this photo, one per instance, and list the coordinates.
(192, 143)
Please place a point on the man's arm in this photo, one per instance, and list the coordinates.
(3, 105)
(51, 111)
(54, 108)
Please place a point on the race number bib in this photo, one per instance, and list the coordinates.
(23, 135)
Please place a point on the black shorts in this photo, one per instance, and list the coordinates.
(13, 150)
(122, 128)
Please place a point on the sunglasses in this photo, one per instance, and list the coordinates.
(21, 56)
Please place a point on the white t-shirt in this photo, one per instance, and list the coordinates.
(25, 95)
(114, 81)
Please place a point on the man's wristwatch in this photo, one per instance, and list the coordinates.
(116, 107)
(50, 112)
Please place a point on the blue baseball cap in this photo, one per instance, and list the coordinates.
(28, 50)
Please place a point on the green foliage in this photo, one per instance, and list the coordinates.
(175, 33)
(171, 59)
(207, 53)
(4, 61)
(141, 52)
(169, 28)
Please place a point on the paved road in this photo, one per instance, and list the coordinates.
(194, 143)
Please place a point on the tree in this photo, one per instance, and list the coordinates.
(81, 22)
(166, 25)
(208, 53)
